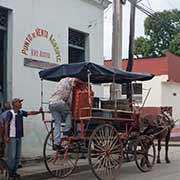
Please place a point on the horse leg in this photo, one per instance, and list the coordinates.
(167, 147)
(159, 149)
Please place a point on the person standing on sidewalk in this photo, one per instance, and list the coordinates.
(3, 117)
(60, 106)
(14, 133)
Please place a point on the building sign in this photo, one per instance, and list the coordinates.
(38, 64)
(39, 53)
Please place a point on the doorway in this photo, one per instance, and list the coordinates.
(3, 54)
(1, 66)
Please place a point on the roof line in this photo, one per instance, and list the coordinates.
(99, 3)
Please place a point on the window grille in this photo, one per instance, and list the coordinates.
(136, 88)
(77, 46)
(3, 19)
(76, 39)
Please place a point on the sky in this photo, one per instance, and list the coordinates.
(155, 5)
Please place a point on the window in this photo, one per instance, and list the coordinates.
(137, 91)
(136, 88)
(3, 19)
(77, 46)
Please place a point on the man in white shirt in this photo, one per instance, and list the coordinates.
(14, 133)
(60, 106)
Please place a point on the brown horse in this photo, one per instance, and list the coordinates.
(160, 127)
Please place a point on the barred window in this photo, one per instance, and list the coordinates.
(77, 46)
(76, 38)
(136, 88)
(3, 18)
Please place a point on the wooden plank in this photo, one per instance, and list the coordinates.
(112, 110)
(106, 118)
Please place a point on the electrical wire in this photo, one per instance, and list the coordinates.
(149, 12)
(149, 4)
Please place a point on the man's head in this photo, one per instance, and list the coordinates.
(17, 103)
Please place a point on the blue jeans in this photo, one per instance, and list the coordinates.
(59, 111)
(14, 154)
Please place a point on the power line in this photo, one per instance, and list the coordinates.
(154, 15)
(149, 4)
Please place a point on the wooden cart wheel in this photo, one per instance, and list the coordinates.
(4, 172)
(105, 152)
(145, 153)
(60, 163)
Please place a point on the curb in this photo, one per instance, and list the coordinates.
(171, 145)
(46, 174)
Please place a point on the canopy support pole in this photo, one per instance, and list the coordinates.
(115, 95)
(89, 92)
(43, 118)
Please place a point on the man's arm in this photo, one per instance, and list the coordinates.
(30, 113)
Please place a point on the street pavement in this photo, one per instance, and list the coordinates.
(129, 171)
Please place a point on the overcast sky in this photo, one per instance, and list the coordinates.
(155, 5)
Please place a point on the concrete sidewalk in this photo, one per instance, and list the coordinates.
(37, 170)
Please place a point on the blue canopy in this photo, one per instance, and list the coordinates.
(98, 73)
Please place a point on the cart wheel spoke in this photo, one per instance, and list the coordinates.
(60, 164)
(105, 152)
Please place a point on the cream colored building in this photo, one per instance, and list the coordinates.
(36, 34)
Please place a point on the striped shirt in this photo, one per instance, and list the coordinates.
(63, 91)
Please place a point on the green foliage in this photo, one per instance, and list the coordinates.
(175, 45)
(159, 33)
(142, 47)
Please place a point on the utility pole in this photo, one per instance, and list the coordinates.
(131, 35)
(116, 43)
(131, 45)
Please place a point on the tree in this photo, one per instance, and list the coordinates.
(175, 45)
(160, 31)
(143, 47)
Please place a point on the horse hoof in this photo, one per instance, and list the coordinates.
(158, 162)
(168, 161)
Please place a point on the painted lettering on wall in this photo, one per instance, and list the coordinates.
(55, 47)
(38, 32)
(39, 53)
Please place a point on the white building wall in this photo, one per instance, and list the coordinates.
(55, 16)
(171, 97)
(154, 97)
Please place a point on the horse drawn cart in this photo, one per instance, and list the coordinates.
(108, 135)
